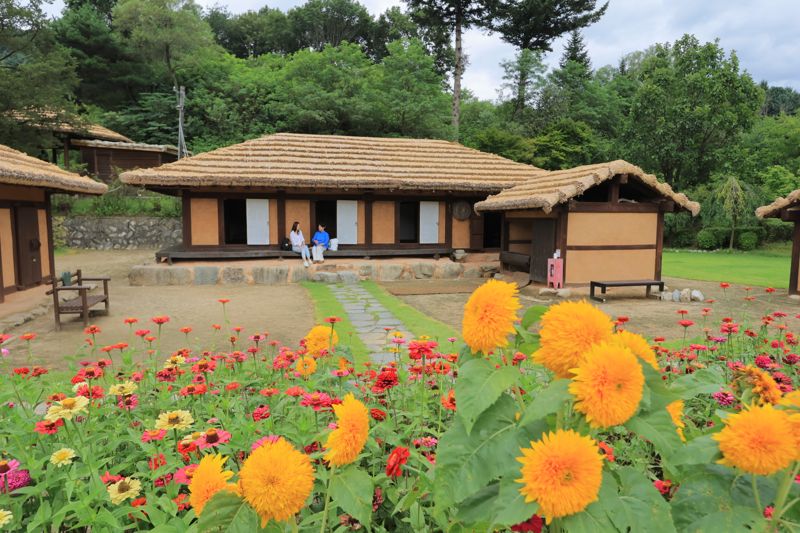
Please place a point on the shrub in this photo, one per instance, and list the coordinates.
(708, 239)
(748, 240)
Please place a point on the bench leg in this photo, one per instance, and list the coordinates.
(58, 320)
(647, 292)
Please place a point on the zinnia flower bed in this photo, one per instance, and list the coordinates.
(585, 426)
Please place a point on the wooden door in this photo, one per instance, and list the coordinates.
(543, 245)
(428, 222)
(347, 221)
(257, 214)
(29, 252)
(475, 232)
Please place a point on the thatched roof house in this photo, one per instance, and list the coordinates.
(788, 210)
(606, 220)
(376, 195)
(26, 233)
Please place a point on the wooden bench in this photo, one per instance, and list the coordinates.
(647, 283)
(83, 302)
(521, 261)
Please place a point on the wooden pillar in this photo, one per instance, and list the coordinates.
(795, 270)
(66, 153)
(50, 243)
(659, 242)
(282, 233)
(186, 219)
(448, 223)
(613, 191)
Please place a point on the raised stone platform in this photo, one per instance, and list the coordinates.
(280, 271)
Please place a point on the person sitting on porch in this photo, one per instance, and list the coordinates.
(320, 241)
(299, 243)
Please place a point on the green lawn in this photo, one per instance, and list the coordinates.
(767, 267)
(325, 305)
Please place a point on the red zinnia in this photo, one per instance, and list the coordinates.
(397, 459)
(48, 428)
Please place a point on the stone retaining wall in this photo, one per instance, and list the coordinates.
(293, 272)
(120, 233)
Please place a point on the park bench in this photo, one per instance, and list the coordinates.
(603, 285)
(81, 303)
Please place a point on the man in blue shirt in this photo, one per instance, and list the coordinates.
(320, 241)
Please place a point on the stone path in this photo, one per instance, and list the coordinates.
(369, 319)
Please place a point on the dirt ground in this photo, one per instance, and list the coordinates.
(648, 317)
(284, 311)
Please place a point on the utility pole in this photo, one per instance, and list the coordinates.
(182, 151)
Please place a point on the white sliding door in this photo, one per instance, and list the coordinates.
(347, 221)
(257, 221)
(428, 222)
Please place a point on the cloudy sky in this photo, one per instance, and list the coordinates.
(763, 33)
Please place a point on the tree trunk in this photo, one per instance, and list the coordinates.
(459, 67)
(733, 233)
(522, 83)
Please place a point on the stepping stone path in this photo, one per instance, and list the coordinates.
(369, 319)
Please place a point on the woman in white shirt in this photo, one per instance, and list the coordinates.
(299, 243)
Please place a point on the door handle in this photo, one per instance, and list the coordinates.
(35, 244)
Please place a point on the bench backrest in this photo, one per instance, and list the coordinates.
(74, 279)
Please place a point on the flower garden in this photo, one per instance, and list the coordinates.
(584, 426)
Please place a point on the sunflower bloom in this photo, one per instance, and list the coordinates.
(489, 316)
(638, 345)
(306, 366)
(762, 384)
(208, 478)
(276, 480)
(5, 517)
(608, 385)
(675, 410)
(318, 340)
(352, 429)
(758, 440)
(568, 330)
(66, 408)
(123, 489)
(561, 472)
(179, 420)
(62, 457)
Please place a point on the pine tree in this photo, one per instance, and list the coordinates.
(575, 51)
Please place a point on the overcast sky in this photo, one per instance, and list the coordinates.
(764, 34)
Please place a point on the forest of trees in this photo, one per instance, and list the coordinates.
(686, 111)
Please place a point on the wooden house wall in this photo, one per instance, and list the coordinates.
(102, 162)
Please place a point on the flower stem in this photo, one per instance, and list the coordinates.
(327, 501)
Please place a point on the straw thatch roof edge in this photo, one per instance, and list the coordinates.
(774, 209)
(548, 189)
(115, 145)
(17, 168)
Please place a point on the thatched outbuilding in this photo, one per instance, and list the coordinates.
(788, 210)
(378, 196)
(606, 219)
(26, 229)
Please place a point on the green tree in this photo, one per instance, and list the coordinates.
(167, 31)
(524, 78)
(252, 33)
(779, 181)
(732, 197)
(453, 16)
(410, 101)
(691, 105)
(779, 100)
(319, 23)
(575, 51)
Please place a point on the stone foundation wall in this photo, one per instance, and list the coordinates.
(293, 272)
(119, 233)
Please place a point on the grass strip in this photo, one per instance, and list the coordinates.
(326, 304)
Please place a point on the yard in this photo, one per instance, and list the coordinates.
(768, 267)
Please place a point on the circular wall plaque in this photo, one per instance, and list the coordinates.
(462, 210)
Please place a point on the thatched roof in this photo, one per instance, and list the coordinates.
(774, 209)
(136, 147)
(17, 168)
(333, 161)
(546, 189)
(48, 121)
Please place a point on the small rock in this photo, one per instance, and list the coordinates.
(547, 291)
(676, 295)
(794, 297)
(563, 293)
(459, 255)
(697, 296)
(665, 296)
(685, 296)
(499, 276)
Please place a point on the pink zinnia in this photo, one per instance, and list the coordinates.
(184, 474)
(153, 435)
(261, 413)
(212, 437)
(316, 400)
(16, 479)
(128, 402)
(263, 440)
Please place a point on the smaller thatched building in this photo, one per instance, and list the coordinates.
(104, 159)
(607, 220)
(788, 210)
(26, 228)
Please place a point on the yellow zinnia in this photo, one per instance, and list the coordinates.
(758, 440)
(123, 489)
(306, 366)
(276, 480)
(675, 410)
(608, 385)
(489, 316)
(123, 389)
(174, 420)
(66, 408)
(561, 472)
(62, 457)
(567, 332)
(638, 345)
(208, 479)
(5, 517)
(352, 429)
(318, 340)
